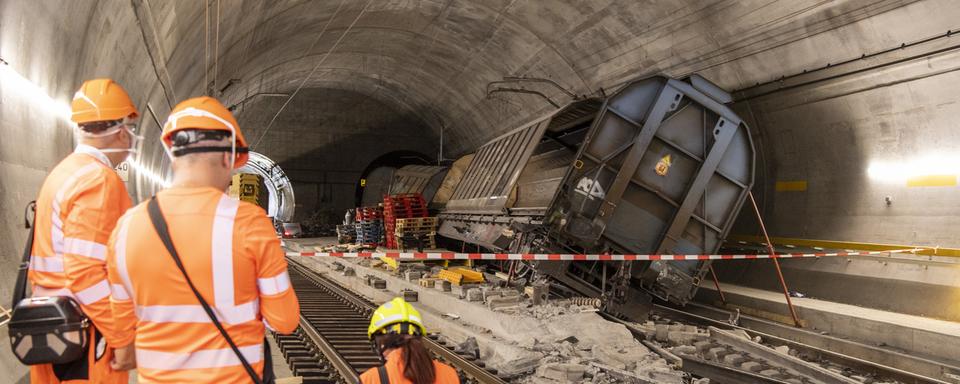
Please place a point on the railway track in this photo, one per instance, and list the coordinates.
(331, 345)
(727, 359)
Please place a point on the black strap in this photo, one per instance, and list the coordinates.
(187, 151)
(384, 377)
(161, 226)
(20, 289)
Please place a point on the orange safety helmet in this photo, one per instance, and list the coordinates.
(101, 100)
(204, 113)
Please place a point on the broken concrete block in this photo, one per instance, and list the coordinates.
(562, 372)
(684, 338)
(783, 349)
(751, 366)
(703, 345)
(621, 375)
(716, 353)
(526, 362)
(538, 293)
(770, 373)
(474, 294)
(604, 355)
(734, 359)
(741, 333)
(661, 332)
(685, 350)
(496, 303)
(412, 275)
(665, 377)
(443, 285)
(410, 295)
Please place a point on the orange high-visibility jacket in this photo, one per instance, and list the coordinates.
(445, 374)
(233, 256)
(78, 207)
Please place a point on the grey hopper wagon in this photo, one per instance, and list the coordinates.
(662, 166)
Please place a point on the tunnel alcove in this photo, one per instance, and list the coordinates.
(328, 139)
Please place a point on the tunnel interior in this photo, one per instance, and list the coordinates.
(852, 105)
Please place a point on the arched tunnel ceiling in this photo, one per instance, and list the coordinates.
(430, 61)
(433, 59)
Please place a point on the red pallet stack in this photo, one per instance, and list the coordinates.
(402, 206)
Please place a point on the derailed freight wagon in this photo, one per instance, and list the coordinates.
(662, 166)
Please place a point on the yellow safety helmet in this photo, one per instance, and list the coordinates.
(101, 100)
(396, 316)
(204, 113)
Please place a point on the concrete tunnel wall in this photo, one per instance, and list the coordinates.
(430, 61)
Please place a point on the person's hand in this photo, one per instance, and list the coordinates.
(124, 358)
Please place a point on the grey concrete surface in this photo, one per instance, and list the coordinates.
(426, 63)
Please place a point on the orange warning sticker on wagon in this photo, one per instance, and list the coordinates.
(663, 166)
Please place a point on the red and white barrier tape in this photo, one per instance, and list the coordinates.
(572, 257)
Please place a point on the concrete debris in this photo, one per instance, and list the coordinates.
(562, 372)
(469, 347)
(783, 349)
(622, 375)
(474, 294)
(452, 315)
(538, 293)
(410, 295)
(514, 361)
(443, 285)
(591, 329)
(684, 338)
(349, 272)
(412, 275)
(742, 334)
(655, 369)
(503, 302)
(623, 357)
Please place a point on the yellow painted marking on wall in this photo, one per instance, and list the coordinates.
(791, 186)
(835, 244)
(932, 181)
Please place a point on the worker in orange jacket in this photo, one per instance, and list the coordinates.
(229, 251)
(78, 206)
(396, 331)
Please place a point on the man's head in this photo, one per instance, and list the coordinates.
(204, 142)
(106, 118)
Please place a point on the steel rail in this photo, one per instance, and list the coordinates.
(336, 360)
(473, 370)
(807, 342)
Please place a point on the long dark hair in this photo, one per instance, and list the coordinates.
(417, 363)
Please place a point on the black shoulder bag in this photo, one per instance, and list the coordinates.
(160, 225)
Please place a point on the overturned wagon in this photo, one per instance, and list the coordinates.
(661, 166)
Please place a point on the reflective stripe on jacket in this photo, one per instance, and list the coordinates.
(233, 256)
(78, 207)
(445, 374)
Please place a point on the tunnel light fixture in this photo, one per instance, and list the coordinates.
(928, 170)
(32, 93)
(38, 97)
(150, 175)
